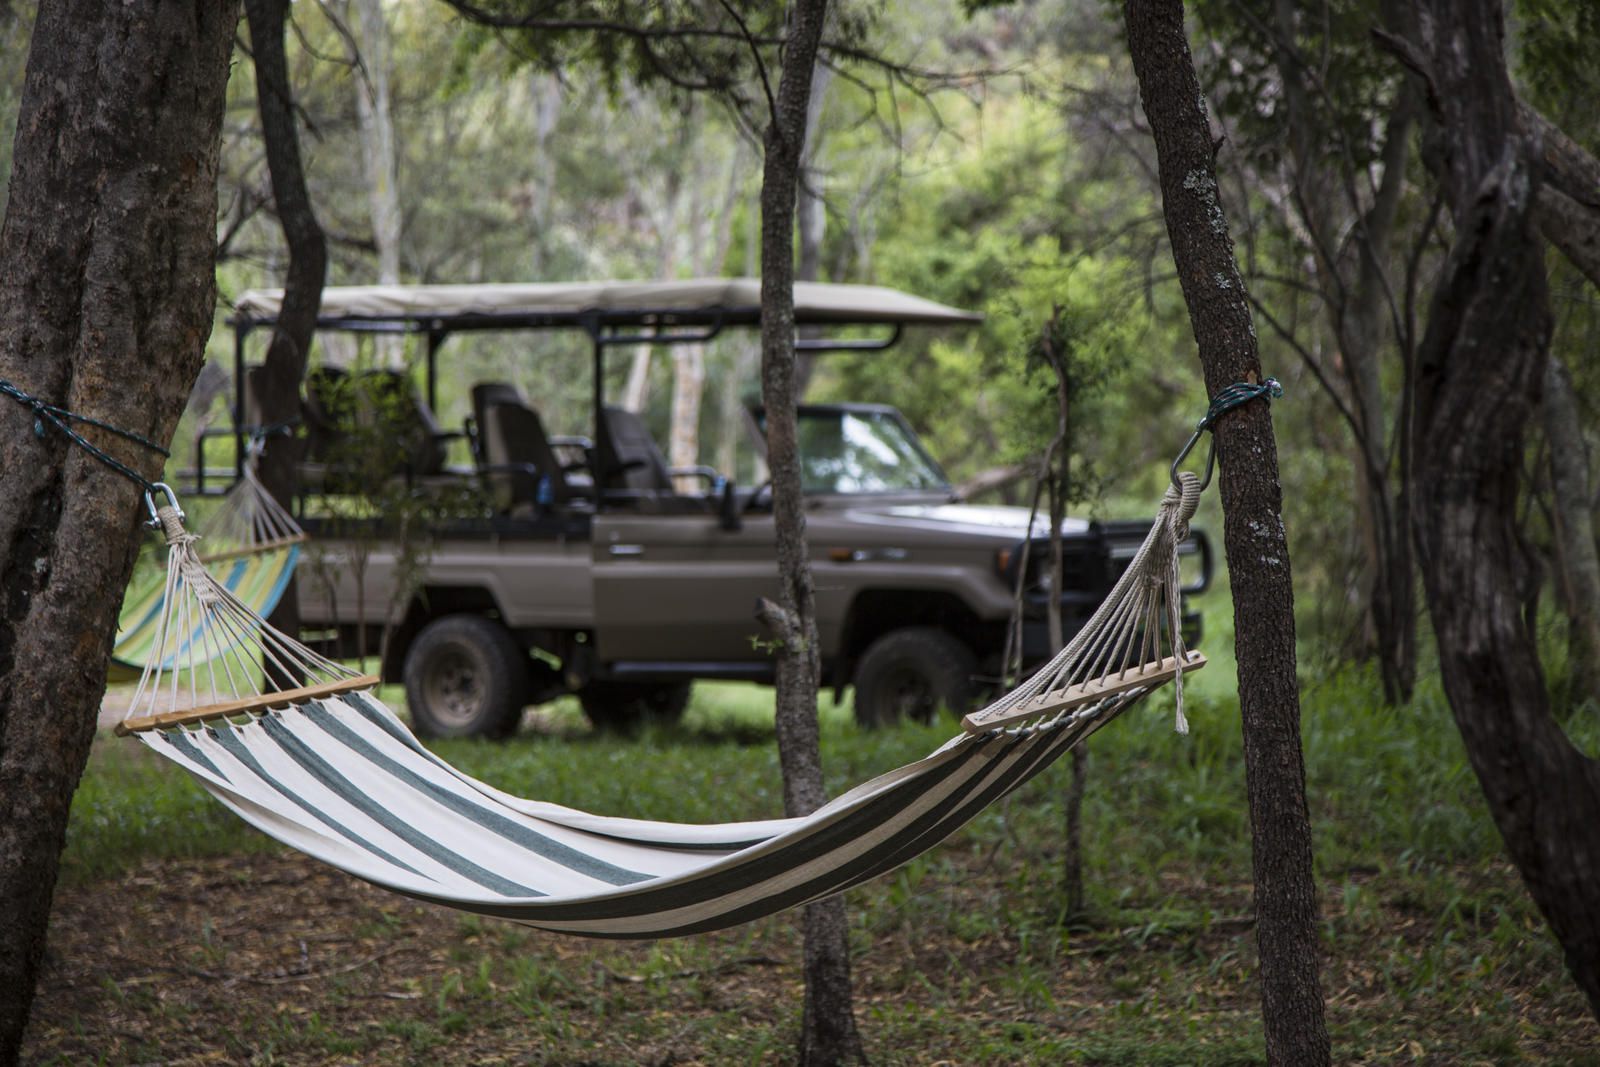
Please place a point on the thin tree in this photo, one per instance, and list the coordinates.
(1253, 533)
(107, 290)
(275, 388)
(828, 1030)
(700, 50)
(368, 45)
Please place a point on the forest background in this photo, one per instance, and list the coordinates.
(438, 151)
(1027, 184)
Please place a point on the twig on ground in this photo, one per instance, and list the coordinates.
(697, 972)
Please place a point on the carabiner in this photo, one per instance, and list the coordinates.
(150, 502)
(1211, 456)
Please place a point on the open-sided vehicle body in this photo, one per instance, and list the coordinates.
(586, 565)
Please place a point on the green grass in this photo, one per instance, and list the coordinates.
(1433, 943)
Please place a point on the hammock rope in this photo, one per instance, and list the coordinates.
(52, 415)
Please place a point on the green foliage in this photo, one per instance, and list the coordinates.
(379, 485)
(16, 27)
(686, 47)
(1554, 47)
(1008, 216)
(1349, 85)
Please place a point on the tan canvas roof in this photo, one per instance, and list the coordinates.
(735, 299)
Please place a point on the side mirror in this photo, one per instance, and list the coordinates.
(729, 516)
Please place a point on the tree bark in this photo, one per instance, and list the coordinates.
(1570, 487)
(107, 291)
(276, 387)
(1567, 201)
(828, 1029)
(1481, 365)
(380, 159)
(811, 213)
(688, 388)
(1253, 532)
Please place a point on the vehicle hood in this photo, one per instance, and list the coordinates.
(1001, 524)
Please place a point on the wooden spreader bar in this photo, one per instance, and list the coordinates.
(1074, 696)
(253, 550)
(281, 699)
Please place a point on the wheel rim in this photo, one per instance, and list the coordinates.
(908, 695)
(453, 689)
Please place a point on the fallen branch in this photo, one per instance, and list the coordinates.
(284, 977)
(696, 972)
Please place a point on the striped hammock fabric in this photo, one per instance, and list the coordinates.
(328, 770)
(344, 781)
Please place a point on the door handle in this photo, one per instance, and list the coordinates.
(627, 550)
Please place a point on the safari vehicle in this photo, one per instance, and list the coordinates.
(586, 567)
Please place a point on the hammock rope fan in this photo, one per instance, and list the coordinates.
(326, 768)
(252, 543)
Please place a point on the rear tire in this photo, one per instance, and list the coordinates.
(912, 673)
(623, 706)
(465, 676)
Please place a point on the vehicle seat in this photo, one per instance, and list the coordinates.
(484, 394)
(521, 469)
(629, 456)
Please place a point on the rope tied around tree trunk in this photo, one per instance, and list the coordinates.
(168, 517)
(46, 414)
(1229, 398)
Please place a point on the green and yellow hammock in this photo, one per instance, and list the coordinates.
(251, 548)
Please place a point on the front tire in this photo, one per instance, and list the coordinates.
(465, 677)
(911, 674)
(623, 706)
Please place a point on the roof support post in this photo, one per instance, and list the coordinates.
(437, 335)
(241, 330)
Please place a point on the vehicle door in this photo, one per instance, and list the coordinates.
(681, 589)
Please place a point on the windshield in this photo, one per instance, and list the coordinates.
(863, 452)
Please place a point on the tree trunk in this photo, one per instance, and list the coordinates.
(1481, 365)
(811, 214)
(107, 290)
(276, 386)
(688, 386)
(689, 361)
(379, 158)
(1257, 549)
(828, 1028)
(546, 92)
(1570, 486)
(1058, 475)
(1567, 204)
(636, 394)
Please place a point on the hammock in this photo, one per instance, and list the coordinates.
(253, 543)
(325, 768)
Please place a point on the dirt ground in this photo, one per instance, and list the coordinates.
(212, 961)
(275, 959)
